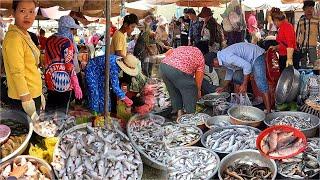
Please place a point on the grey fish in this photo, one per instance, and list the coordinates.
(155, 138)
(231, 139)
(106, 157)
(295, 121)
(191, 163)
(193, 119)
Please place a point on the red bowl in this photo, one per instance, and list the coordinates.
(285, 128)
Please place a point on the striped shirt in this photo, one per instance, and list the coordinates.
(307, 28)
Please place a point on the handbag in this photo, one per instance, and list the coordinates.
(272, 66)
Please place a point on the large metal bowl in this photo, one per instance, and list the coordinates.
(215, 120)
(253, 112)
(311, 132)
(194, 147)
(212, 131)
(84, 126)
(22, 118)
(288, 85)
(247, 156)
(38, 160)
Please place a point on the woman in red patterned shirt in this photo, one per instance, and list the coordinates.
(286, 39)
(182, 72)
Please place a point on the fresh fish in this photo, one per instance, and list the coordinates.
(193, 119)
(52, 124)
(280, 144)
(248, 170)
(33, 169)
(103, 158)
(304, 165)
(191, 163)
(154, 137)
(295, 121)
(231, 139)
(162, 98)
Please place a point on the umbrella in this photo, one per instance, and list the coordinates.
(294, 1)
(190, 3)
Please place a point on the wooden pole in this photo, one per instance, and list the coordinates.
(107, 120)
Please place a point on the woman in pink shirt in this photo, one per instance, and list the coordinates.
(182, 71)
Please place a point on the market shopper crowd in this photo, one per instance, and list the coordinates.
(193, 46)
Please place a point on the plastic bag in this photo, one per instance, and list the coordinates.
(240, 99)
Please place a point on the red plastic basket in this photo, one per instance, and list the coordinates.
(284, 128)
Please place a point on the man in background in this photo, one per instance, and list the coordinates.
(42, 39)
(308, 29)
(195, 28)
(184, 27)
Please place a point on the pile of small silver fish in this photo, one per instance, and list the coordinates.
(232, 139)
(193, 119)
(295, 121)
(246, 171)
(314, 144)
(96, 153)
(51, 125)
(162, 98)
(304, 165)
(280, 144)
(155, 138)
(191, 163)
(34, 170)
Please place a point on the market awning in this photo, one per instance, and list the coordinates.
(70, 4)
(294, 1)
(268, 4)
(189, 3)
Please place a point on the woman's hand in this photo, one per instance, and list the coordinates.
(19, 171)
(220, 89)
(199, 94)
(243, 88)
(274, 48)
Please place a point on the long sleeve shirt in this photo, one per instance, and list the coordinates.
(286, 38)
(114, 78)
(195, 31)
(21, 59)
(59, 63)
(308, 31)
(239, 56)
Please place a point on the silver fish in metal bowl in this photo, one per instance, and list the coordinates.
(307, 123)
(153, 140)
(84, 152)
(230, 139)
(193, 119)
(192, 163)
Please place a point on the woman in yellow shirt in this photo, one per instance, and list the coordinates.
(21, 59)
